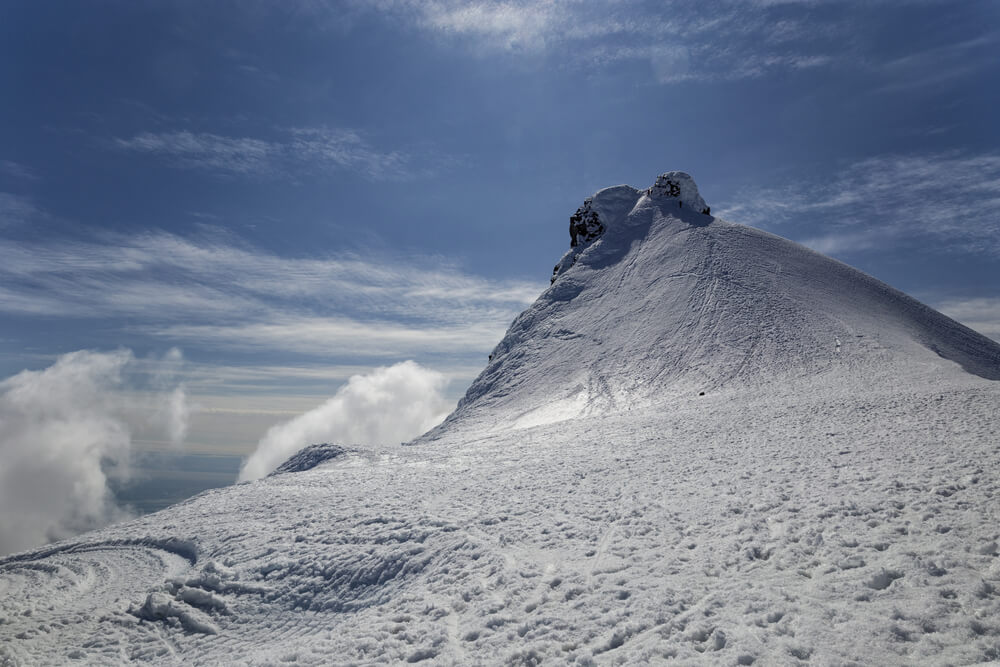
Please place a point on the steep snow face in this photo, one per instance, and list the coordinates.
(669, 302)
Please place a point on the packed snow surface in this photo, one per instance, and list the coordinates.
(702, 443)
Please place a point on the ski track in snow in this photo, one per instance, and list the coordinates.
(703, 444)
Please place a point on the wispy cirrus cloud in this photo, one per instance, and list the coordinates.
(684, 40)
(318, 335)
(293, 152)
(937, 66)
(285, 386)
(222, 294)
(206, 151)
(952, 199)
(16, 209)
(17, 170)
(347, 149)
(680, 39)
(509, 25)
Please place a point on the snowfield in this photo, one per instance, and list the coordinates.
(703, 444)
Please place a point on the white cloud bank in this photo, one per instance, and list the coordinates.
(389, 405)
(66, 429)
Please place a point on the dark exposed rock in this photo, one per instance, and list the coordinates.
(665, 187)
(584, 225)
(680, 186)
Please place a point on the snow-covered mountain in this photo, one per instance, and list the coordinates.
(666, 302)
(703, 442)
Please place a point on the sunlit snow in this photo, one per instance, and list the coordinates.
(702, 442)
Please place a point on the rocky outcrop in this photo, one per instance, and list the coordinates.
(680, 186)
(591, 221)
(585, 225)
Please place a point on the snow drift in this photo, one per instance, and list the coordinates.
(702, 443)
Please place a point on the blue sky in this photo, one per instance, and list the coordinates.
(290, 193)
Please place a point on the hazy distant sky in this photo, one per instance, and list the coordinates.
(293, 192)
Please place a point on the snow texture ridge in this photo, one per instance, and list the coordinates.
(703, 444)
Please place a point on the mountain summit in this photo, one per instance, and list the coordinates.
(657, 300)
(702, 443)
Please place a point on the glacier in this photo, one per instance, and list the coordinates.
(703, 443)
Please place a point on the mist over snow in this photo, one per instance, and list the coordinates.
(66, 430)
(390, 405)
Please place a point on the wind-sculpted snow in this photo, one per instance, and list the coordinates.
(832, 526)
(712, 458)
(310, 457)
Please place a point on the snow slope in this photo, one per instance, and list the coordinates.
(669, 302)
(831, 498)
